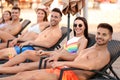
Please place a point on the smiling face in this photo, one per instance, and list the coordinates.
(103, 36)
(6, 16)
(79, 27)
(15, 13)
(55, 18)
(40, 15)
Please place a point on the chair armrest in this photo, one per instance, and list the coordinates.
(8, 42)
(40, 62)
(95, 71)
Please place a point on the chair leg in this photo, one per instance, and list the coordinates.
(114, 73)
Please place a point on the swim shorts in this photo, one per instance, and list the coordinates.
(19, 50)
(67, 75)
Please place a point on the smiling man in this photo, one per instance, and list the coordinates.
(10, 30)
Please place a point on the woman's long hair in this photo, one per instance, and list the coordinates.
(3, 21)
(45, 18)
(86, 26)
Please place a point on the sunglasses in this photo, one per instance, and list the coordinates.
(79, 25)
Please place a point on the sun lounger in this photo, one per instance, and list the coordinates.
(114, 48)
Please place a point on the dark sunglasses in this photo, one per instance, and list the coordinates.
(75, 25)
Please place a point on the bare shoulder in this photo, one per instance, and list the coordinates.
(83, 40)
(45, 23)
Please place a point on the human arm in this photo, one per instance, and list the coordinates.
(65, 55)
(61, 55)
(44, 25)
(82, 44)
(15, 41)
(87, 61)
(42, 53)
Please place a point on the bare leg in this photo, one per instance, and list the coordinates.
(29, 54)
(5, 52)
(5, 36)
(33, 75)
(20, 68)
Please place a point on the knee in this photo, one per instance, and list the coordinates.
(1, 32)
(27, 53)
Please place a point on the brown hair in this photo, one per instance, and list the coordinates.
(45, 18)
(57, 10)
(86, 25)
(106, 26)
(16, 8)
(3, 21)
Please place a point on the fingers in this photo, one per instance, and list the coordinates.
(21, 45)
(50, 59)
(46, 59)
(38, 53)
(11, 45)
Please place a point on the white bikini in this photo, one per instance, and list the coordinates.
(35, 28)
(2, 25)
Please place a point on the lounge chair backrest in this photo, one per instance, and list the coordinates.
(91, 40)
(20, 19)
(24, 25)
(114, 48)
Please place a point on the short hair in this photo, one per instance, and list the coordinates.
(16, 8)
(106, 26)
(57, 10)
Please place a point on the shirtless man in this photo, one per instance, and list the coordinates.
(46, 38)
(9, 31)
(71, 47)
(32, 32)
(95, 57)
